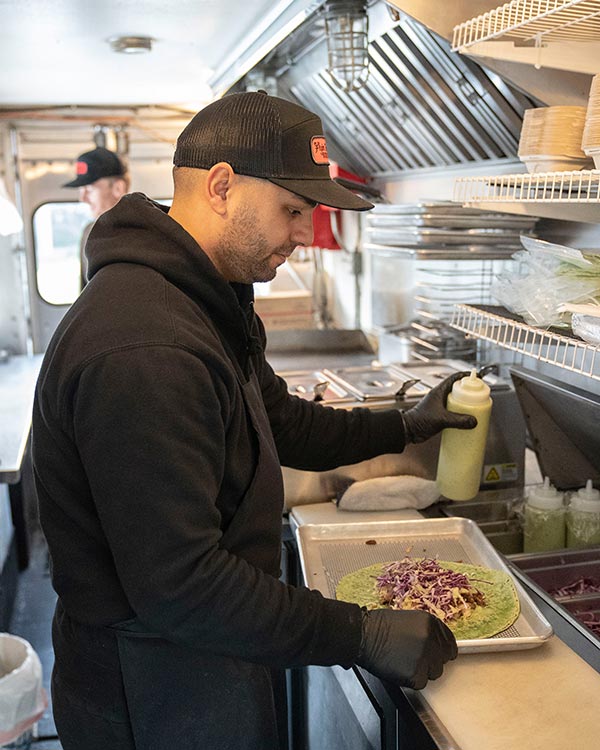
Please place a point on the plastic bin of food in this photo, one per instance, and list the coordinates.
(571, 578)
(585, 610)
(556, 559)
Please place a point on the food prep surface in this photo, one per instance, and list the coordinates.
(545, 698)
(329, 552)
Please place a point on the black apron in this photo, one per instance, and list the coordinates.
(147, 693)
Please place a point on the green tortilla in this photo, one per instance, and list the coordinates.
(499, 612)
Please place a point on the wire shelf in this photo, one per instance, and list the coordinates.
(562, 350)
(545, 187)
(537, 20)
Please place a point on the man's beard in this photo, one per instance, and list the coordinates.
(244, 254)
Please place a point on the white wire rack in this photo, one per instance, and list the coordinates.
(561, 195)
(537, 20)
(546, 187)
(545, 346)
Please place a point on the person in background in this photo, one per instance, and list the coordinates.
(102, 180)
(159, 432)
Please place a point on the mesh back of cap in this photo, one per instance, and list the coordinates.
(241, 129)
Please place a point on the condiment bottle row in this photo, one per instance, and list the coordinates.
(553, 520)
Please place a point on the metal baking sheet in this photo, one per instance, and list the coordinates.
(444, 252)
(444, 208)
(330, 551)
(450, 221)
(403, 236)
(429, 207)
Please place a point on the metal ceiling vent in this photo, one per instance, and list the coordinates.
(131, 45)
(346, 30)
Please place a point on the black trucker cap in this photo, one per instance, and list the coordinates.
(267, 137)
(91, 166)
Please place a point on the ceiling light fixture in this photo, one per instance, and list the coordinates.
(131, 45)
(347, 32)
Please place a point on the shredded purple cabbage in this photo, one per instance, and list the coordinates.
(582, 585)
(424, 584)
(591, 620)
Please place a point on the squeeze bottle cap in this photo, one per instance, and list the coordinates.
(471, 390)
(545, 497)
(586, 499)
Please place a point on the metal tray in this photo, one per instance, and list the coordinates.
(407, 236)
(450, 221)
(330, 551)
(440, 251)
(446, 208)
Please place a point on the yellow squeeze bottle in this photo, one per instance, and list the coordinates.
(462, 451)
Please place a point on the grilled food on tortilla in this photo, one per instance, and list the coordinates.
(475, 602)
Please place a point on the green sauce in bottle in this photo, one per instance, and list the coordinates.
(544, 519)
(583, 518)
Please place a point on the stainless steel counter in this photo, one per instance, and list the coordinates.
(18, 377)
(547, 697)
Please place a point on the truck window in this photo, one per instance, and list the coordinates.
(57, 229)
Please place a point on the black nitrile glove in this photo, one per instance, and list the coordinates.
(430, 415)
(408, 647)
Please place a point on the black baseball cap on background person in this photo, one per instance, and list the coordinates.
(95, 164)
(267, 137)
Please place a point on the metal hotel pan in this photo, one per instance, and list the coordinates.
(303, 382)
(330, 551)
(579, 606)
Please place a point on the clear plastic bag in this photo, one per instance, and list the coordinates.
(587, 327)
(544, 277)
(22, 697)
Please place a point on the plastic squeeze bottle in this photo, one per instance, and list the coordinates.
(462, 451)
(583, 517)
(544, 519)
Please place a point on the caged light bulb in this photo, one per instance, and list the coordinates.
(346, 30)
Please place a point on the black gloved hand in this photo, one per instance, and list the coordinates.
(408, 647)
(430, 415)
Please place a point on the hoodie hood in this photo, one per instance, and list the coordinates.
(139, 230)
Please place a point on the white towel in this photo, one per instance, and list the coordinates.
(389, 493)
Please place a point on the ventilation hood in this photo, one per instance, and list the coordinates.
(423, 105)
(548, 85)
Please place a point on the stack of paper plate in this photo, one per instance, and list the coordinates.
(591, 132)
(551, 139)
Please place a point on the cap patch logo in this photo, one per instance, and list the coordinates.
(81, 167)
(318, 149)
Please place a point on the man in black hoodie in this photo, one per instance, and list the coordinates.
(159, 432)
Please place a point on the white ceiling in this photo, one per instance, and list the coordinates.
(56, 51)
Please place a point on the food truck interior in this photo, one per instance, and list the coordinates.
(425, 106)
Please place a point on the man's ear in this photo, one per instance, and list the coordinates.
(218, 183)
(119, 188)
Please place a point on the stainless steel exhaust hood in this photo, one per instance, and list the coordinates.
(423, 105)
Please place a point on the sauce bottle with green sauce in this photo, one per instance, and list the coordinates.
(462, 451)
(583, 517)
(544, 519)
